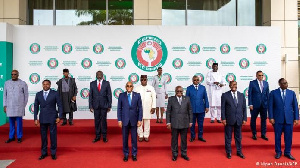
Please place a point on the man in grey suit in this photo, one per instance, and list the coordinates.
(234, 115)
(179, 119)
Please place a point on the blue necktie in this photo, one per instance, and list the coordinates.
(45, 95)
(235, 100)
(129, 99)
(283, 96)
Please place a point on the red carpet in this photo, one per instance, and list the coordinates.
(75, 148)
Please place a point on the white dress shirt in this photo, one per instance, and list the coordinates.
(232, 93)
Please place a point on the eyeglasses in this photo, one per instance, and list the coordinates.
(260, 75)
(129, 86)
(179, 91)
(196, 80)
(143, 79)
(14, 74)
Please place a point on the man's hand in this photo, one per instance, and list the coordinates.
(251, 107)
(206, 110)
(139, 123)
(296, 122)
(169, 126)
(166, 96)
(36, 122)
(74, 98)
(224, 122)
(272, 121)
(57, 120)
(91, 110)
(221, 85)
(108, 110)
(120, 124)
(244, 122)
(191, 125)
(4, 109)
(152, 110)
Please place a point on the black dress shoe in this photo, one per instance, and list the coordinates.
(241, 155)
(201, 139)
(53, 157)
(70, 122)
(105, 140)
(174, 158)
(254, 137)
(228, 155)
(212, 121)
(289, 156)
(10, 140)
(134, 158)
(192, 139)
(219, 121)
(264, 137)
(43, 157)
(64, 123)
(277, 156)
(96, 139)
(185, 157)
(19, 140)
(125, 159)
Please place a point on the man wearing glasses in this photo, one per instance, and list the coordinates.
(148, 96)
(258, 96)
(130, 116)
(15, 98)
(200, 106)
(179, 119)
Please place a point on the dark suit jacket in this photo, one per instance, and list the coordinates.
(100, 99)
(47, 108)
(257, 98)
(230, 112)
(180, 116)
(73, 88)
(198, 98)
(133, 113)
(279, 110)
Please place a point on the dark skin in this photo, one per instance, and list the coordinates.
(196, 81)
(66, 75)
(283, 85)
(162, 109)
(259, 76)
(46, 87)
(215, 69)
(233, 88)
(14, 77)
(144, 83)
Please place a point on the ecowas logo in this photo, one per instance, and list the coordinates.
(52, 63)
(261, 49)
(67, 48)
(31, 108)
(84, 93)
(230, 77)
(120, 63)
(86, 63)
(201, 77)
(149, 52)
(194, 48)
(225, 48)
(244, 63)
(177, 63)
(265, 78)
(168, 77)
(246, 93)
(34, 78)
(117, 92)
(98, 48)
(34, 48)
(209, 63)
(134, 78)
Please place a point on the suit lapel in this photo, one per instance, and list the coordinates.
(232, 100)
(49, 94)
(257, 85)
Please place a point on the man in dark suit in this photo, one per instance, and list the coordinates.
(283, 114)
(67, 90)
(130, 116)
(46, 101)
(200, 106)
(179, 119)
(234, 115)
(258, 95)
(100, 104)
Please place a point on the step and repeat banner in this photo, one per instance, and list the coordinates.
(124, 53)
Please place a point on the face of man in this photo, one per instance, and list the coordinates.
(159, 71)
(179, 91)
(129, 87)
(99, 75)
(66, 74)
(215, 68)
(233, 86)
(14, 75)
(260, 76)
(46, 85)
(144, 81)
(283, 84)
(196, 80)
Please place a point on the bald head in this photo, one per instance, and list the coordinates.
(14, 75)
(129, 87)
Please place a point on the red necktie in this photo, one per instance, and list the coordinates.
(99, 86)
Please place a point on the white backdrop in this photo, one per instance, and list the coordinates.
(41, 52)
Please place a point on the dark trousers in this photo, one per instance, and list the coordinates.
(125, 134)
(100, 116)
(12, 127)
(237, 137)
(288, 137)
(174, 141)
(53, 137)
(263, 117)
(64, 117)
(200, 118)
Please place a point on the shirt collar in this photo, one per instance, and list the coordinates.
(281, 90)
(46, 91)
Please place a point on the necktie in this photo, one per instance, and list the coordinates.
(99, 86)
(234, 99)
(129, 98)
(45, 95)
(179, 101)
(261, 86)
(283, 96)
(196, 87)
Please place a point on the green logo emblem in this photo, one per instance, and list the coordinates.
(168, 77)
(265, 78)
(134, 78)
(67, 48)
(148, 53)
(120, 63)
(98, 48)
(117, 92)
(201, 77)
(31, 108)
(34, 48)
(209, 63)
(244, 63)
(194, 48)
(177, 63)
(246, 93)
(84, 93)
(52, 63)
(230, 77)
(225, 48)
(261, 49)
(34, 78)
(86, 63)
